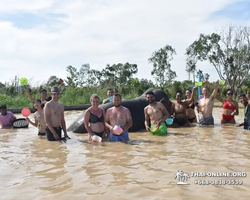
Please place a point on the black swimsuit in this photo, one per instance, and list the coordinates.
(95, 119)
(192, 106)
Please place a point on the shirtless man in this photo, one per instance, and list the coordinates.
(110, 96)
(118, 115)
(207, 104)
(244, 99)
(54, 117)
(156, 113)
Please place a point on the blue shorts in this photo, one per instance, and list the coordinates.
(246, 126)
(122, 137)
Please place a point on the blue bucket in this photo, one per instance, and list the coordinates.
(169, 121)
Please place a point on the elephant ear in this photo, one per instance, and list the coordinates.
(167, 103)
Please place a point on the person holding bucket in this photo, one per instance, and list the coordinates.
(157, 114)
(118, 120)
(94, 118)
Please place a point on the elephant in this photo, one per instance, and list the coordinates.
(136, 107)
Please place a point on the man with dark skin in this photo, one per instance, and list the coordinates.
(156, 113)
(54, 117)
(6, 118)
(244, 100)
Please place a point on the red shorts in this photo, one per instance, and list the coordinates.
(227, 118)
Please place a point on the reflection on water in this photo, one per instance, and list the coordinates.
(144, 168)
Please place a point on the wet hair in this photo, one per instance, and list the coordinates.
(230, 90)
(117, 95)
(206, 88)
(43, 90)
(37, 101)
(189, 90)
(94, 96)
(3, 106)
(242, 95)
(150, 93)
(178, 92)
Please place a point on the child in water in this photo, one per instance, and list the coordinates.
(39, 118)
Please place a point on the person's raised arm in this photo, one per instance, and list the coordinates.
(214, 94)
(47, 115)
(188, 101)
(220, 99)
(129, 121)
(28, 94)
(63, 123)
(86, 123)
(146, 119)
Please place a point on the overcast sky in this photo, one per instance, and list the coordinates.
(41, 38)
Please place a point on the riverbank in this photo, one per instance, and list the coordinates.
(86, 106)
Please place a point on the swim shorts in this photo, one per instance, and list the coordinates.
(162, 130)
(50, 136)
(122, 137)
(207, 121)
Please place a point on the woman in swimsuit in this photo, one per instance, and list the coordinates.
(190, 108)
(230, 108)
(94, 118)
(179, 108)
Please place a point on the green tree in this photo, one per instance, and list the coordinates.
(228, 52)
(73, 77)
(119, 74)
(52, 81)
(162, 67)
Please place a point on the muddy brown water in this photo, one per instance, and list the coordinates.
(145, 168)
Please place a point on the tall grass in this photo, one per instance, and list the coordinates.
(77, 96)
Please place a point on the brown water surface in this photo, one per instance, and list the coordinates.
(145, 168)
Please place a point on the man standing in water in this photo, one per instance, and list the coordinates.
(118, 116)
(6, 117)
(207, 104)
(110, 96)
(54, 117)
(244, 100)
(157, 114)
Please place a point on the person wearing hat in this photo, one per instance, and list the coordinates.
(6, 117)
(54, 117)
(43, 94)
(244, 100)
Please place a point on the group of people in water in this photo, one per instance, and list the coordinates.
(49, 115)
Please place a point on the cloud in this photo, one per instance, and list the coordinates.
(40, 39)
